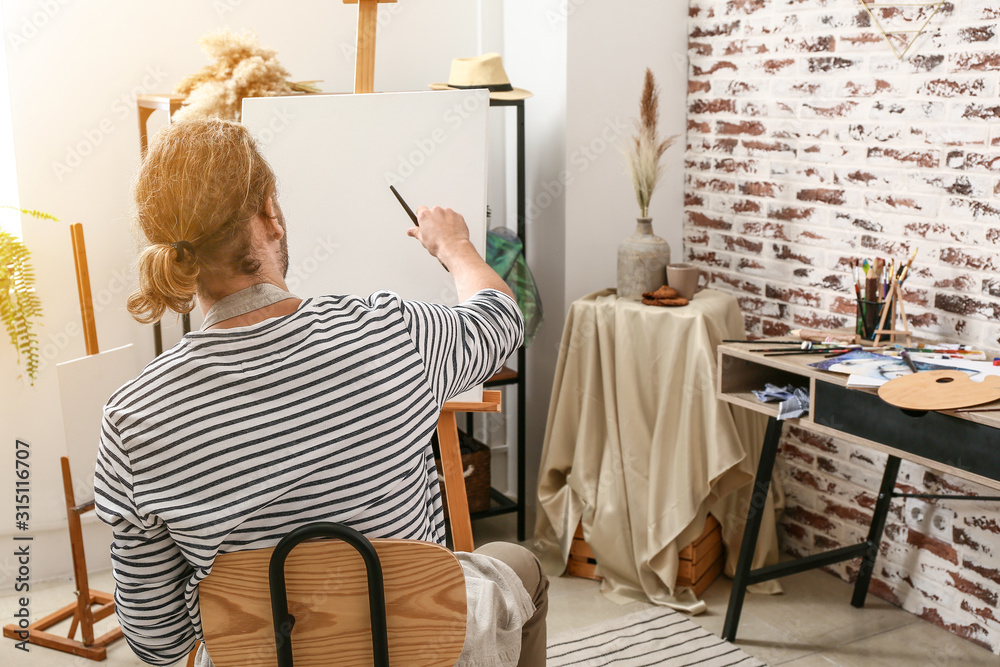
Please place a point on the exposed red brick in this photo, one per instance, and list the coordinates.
(692, 199)
(793, 530)
(715, 30)
(865, 500)
(784, 252)
(936, 547)
(696, 70)
(983, 523)
(699, 106)
(759, 189)
(811, 45)
(820, 442)
(965, 305)
(745, 127)
(979, 34)
(825, 543)
(984, 613)
(774, 328)
(766, 147)
(774, 66)
(968, 260)
(836, 111)
(737, 243)
(831, 63)
(820, 321)
(700, 48)
(701, 220)
(771, 230)
(925, 63)
(727, 145)
(924, 159)
(863, 38)
(834, 197)
(980, 111)
(811, 519)
(792, 213)
(952, 88)
(991, 573)
(699, 86)
(847, 513)
(964, 283)
(885, 247)
(736, 283)
(745, 6)
(881, 590)
(793, 452)
(707, 258)
(979, 61)
(973, 632)
(793, 295)
(749, 264)
(972, 588)
(843, 305)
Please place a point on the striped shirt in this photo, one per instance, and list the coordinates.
(232, 438)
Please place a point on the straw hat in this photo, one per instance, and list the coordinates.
(485, 71)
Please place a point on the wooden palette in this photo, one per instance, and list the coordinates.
(939, 390)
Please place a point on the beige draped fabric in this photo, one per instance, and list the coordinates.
(638, 447)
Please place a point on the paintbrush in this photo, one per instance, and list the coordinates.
(784, 353)
(413, 216)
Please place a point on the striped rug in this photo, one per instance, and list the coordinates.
(657, 636)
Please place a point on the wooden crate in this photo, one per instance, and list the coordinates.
(701, 562)
(582, 562)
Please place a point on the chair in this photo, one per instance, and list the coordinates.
(347, 602)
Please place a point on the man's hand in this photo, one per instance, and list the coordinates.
(445, 235)
(442, 231)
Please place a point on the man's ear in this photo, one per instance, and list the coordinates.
(271, 219)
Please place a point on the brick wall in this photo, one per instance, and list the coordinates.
(810, 144)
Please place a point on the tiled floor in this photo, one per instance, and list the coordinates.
(811, 625)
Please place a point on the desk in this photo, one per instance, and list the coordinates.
(638, 447)
(961, 444)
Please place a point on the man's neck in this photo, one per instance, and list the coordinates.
(209, 297)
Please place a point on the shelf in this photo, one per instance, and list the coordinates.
(503, 376)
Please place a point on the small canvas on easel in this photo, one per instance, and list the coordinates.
(85, 385)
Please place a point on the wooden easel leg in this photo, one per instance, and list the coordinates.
(454, 482)
(364, 68)
(82, 611)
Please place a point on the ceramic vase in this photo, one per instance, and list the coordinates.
(642, 261)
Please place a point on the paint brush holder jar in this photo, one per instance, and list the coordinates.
(868, 315)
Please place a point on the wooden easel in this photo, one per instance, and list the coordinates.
(893, 301)
(364, 67)
(146, 105)
(447, 429)
(91, 605)
(451, 466)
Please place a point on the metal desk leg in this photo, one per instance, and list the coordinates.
(875, 531)
(762, 486)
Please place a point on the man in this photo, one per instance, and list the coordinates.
(282, 411)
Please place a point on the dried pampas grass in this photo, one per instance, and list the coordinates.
(646, 149)
(241, 68)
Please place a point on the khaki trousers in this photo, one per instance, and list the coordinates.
(526, 566)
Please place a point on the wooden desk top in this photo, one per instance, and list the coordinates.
(741, 371)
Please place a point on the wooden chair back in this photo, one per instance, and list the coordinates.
(327, 592)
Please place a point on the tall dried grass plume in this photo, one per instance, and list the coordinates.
(241, 68)
(646, 149)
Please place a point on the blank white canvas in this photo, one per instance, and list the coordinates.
(335, 157)
(85, 385)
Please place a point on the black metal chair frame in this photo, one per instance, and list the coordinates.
(284, 622)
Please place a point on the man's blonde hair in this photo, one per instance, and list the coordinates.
(198, 188)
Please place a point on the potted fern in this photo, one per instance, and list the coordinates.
(643, 257)
(19, 305)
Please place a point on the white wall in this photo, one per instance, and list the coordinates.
(610, 45)
(74, 68)
(535, 59)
